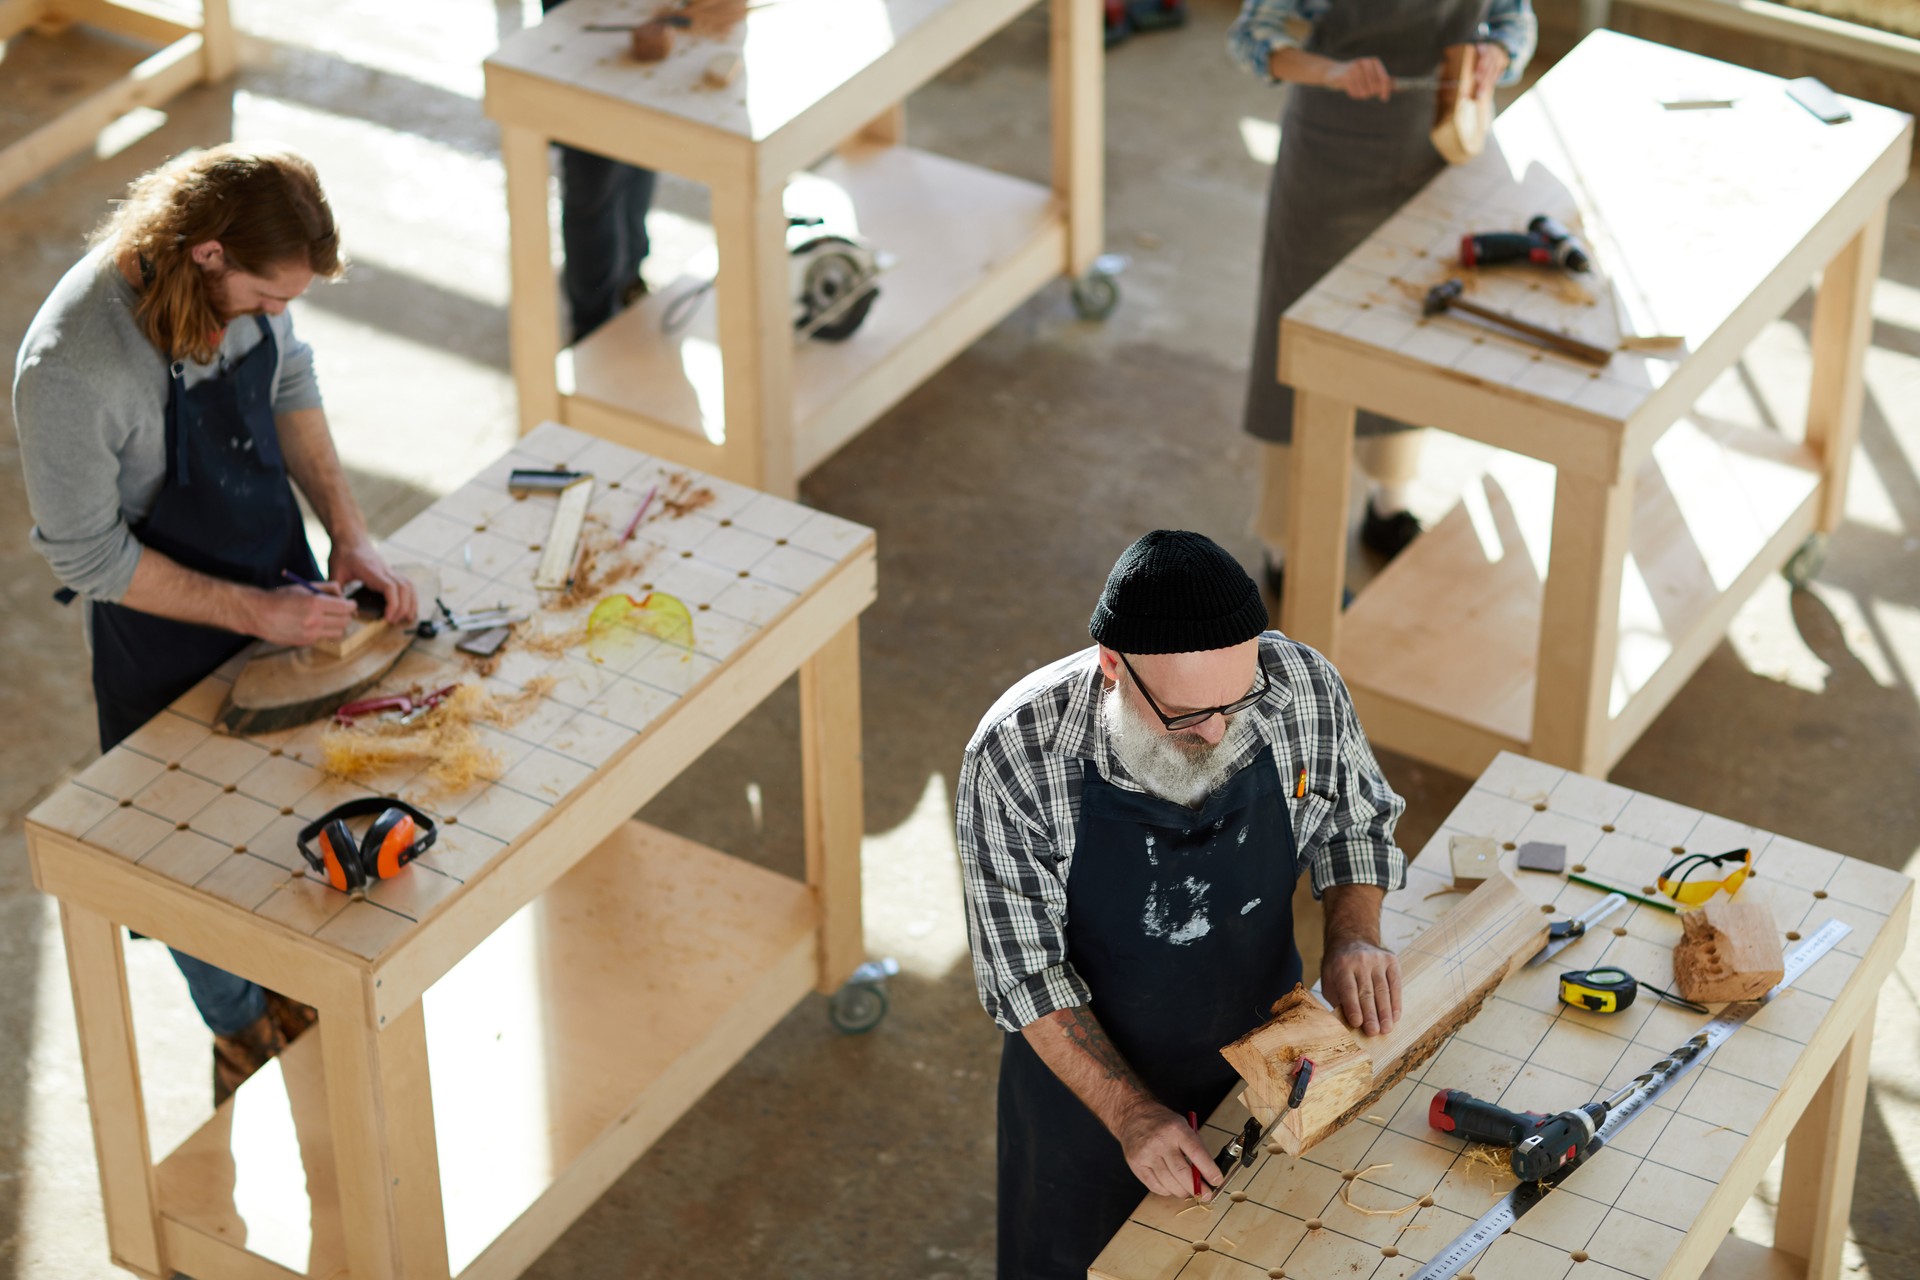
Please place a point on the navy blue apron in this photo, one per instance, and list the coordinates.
(226, 509)
(1181, 923)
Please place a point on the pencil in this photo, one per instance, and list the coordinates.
(1595, 884)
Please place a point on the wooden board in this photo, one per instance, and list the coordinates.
(1446, 975)
(1461, 118)
(216, 812)
(1656, 1205)
(1727, 951)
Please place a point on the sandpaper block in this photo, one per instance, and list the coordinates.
(1538, 856)
(1474, 858)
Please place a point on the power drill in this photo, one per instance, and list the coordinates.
(1540, 1144)
(1544, 241)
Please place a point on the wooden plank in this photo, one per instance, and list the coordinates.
(385, 1156)
(835, 814)
(754, 312)
(1800, 28)
(554, 111)
(1077, 82)
(97, 968)
(149, 84)
(152, 24)
(1317, 520)
(1446, 974)
(1823, 1153)
(888, 129)
(621, 425)
(199, 1252)
(1580, 621)
(533, 319)
(1431, 736)
(222, 40)
(1842, 332)
(626, 782)
(561, 548)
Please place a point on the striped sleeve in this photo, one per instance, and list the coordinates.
(1361, 847)
(1262, 27)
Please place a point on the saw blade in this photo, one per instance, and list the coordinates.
(1449, 1262)
(1592, 916)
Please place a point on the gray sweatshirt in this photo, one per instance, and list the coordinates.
(90, 403)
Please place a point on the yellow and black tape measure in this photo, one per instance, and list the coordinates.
(1609, 990)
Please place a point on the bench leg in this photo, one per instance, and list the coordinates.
(831, 778)
(1816, 1187)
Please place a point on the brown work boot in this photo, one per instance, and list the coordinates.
(290, 1015)
(238, 1056)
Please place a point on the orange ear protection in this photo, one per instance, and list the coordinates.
(399, 834)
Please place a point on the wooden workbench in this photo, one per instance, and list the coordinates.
(1554, 613)
(192, 49)
(732, 393)
(509, 1023)
(1658, 1203)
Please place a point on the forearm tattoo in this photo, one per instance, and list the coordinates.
(1084, 1031)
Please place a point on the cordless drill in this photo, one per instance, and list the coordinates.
(1540, 1144)
(1544, 241)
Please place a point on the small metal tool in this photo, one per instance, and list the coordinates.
(1562, 934)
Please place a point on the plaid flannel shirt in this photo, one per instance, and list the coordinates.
(1266, 25)
(1018, 811)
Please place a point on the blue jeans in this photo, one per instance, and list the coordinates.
(603, 228)
(227, 1003)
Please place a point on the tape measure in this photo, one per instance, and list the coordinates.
(1609, 990)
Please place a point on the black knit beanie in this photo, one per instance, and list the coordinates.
(1177, 592)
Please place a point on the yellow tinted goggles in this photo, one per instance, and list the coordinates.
(1679, 883)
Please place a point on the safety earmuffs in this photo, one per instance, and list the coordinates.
(399, 834)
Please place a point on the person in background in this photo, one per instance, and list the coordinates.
(1352, 151)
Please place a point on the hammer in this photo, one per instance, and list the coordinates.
(1446, 297)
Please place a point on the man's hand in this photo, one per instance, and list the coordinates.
(1489, 64)
(1361, 79)
(295, 616)
(358, 559)
(1163, 1151)
(1362, 981)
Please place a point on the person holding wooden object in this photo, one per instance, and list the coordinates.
(1353, 149)
(163, 402)
(1132, 820)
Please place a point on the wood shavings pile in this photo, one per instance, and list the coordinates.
(603, 565)
(1346, 1198)
(442, 739)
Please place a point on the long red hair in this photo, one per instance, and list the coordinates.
(263, 205)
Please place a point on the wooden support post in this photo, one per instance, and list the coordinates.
(835, 817)
(380, 1103)
(1317, 521)
(1077, 76)
(1842, 332)
(888, 129)
(1580, 621)
(755, 315)
(533, 315)
(97, 967)
(222, 42)
(1816, 1185)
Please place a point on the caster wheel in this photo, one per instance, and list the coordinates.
(1806, 563)
(1097, 293)
(857, 1007)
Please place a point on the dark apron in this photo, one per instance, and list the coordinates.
(226, 510)
(1181, 923)
(1344, 168)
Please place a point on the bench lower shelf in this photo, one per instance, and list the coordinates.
(560, 1050)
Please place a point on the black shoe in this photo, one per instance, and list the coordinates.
(1274, 578)
(1388, 536)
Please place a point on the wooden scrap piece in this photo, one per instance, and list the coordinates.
(562, 547)
(1474, 858)
(1461, 119)
(1446, 974)
(1729, 950)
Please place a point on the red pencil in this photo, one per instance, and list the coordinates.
(635, 522)
(1193, 1118)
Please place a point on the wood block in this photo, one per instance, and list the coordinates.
(1461, 119)
(652, 41)
(721, 71)
(359, 633)
(1446, 974)
(1474, 858)
(1728, 951)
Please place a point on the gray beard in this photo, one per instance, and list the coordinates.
(1172, 767)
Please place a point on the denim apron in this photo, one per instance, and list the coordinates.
(1344, 168)
(1181, 923)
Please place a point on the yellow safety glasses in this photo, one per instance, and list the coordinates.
(1678, 882)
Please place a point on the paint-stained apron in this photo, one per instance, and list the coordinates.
(1344, 168)
(225, 509)
(1181, 923)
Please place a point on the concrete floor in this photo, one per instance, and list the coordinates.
(1002, 491)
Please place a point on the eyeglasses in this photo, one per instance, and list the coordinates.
(1188, 719)
(1677, 880)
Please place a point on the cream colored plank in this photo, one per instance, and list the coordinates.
(834, 814)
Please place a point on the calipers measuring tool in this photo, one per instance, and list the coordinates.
(1622, 1108)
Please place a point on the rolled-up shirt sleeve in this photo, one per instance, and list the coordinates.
(1262, 27)
(70, 457)
(1016, 903)
(297, 386)
(1361, 848)
(1512, 25)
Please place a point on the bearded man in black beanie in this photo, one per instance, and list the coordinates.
(1132, 820)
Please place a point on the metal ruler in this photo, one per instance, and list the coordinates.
(1645, 1088)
